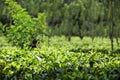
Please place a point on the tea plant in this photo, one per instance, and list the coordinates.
(25, 29)
(58, 62)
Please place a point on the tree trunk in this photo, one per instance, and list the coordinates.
(69, 31)
(111, 35)
(117, 41)
(111, 24)
(69, 36)
(112, 46)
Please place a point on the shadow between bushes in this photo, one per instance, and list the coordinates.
(104, 51)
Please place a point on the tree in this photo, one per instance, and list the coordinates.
(111, 6)
(26, 30)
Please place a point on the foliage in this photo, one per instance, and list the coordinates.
(86, 18)
(60, 61)
(25, 28)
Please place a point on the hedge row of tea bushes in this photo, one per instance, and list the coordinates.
(57, 64)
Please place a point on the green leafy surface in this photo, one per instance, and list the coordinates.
(61, 60)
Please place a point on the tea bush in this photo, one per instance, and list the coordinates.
(58, 62)
(24, 29)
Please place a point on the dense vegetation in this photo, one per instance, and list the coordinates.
(62, 61)
(63, 17)
(59, 40)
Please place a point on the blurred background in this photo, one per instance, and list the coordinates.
(93, 18)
